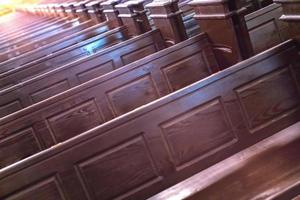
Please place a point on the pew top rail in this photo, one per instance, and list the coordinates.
(170, 139)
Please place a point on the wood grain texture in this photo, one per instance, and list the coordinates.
(265, 28)
(46, 40)
(109, 150)
(266, 170)
(62, 78)
(43, 61)
(115, 93)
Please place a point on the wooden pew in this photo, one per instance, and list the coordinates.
(153, 147)
(13, 73)
(265, 28)
(266, 170)
(77, 72)
(20, 31)
(46, 40)
(86, 37)
(39, 31)
(113, 94)
(46, 61)
(61, 34)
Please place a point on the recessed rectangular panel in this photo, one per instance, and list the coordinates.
(19, 145)
(52, 90)
(265, 36)
(74, 121)
(97, 71)
(48, 189)
(10, 108)
(186, 71)
(193, 135)
(138, 54)
(125, 168)
(132, 95)
(267, 98)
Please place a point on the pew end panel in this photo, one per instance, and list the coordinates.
(267, 170)
(265, 28)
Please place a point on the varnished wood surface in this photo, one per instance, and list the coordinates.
(28, 21)
(46, 40)
(46, 51)
(265, 28)
(269, 169)
(35, 30)
(38, 88)
(158, 145)
(61, 52)
(106, 97)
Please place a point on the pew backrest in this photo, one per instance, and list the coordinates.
(63, 56)
(51, 28)
(53, 47)
(265, 28)
(158, 145)
(44, 41)
(60, 79)
(83, 107)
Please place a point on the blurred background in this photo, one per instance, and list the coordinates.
(7, 6)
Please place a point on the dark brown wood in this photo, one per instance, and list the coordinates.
(111, 12)
(268, 170)
(106, 97)
(84, 38)
(70, 10)
(291, 15)
(50, 27)
(60, 9)
(46, 40)
(48, 84)
(167, 18)
(191, 26)
(133, 15)
(95, 11)
(158, 145)
(224, 23)
(81, 10)
(265, 28)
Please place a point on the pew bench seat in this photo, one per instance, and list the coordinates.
(270, 169)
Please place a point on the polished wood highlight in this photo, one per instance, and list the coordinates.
(158, 145)
(104, 98)
(269, 169)
(224, 23)
(37, 88)
(265, 28)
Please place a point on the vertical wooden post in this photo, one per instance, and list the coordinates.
(44, 11)
(224, 23)
(291, 15)
(70, 10)
(61, 10)
(111, 12)
(167, 18)
(133, 15)
(81, 10)
(53, 12)
(95, 11)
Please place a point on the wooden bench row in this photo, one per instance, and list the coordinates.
(266, 170)
(75, 73)
(49, 63)
(105, 97)
(140, 153)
